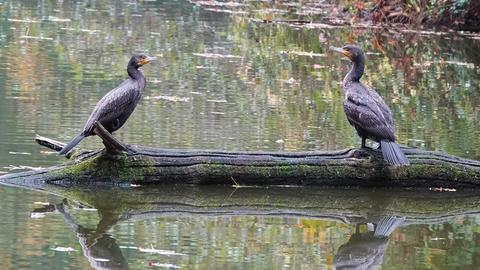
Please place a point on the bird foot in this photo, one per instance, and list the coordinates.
(375, 147)
(112, 145)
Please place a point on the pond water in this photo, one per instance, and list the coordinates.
(231, 77)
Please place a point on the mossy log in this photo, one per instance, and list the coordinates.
(349, 167)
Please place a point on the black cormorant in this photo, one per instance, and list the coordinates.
(113, 110)
(367, 111)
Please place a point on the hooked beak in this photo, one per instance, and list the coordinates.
(147, 60)
(340, 50)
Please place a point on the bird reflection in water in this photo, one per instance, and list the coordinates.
(366, 250)
(101, 250)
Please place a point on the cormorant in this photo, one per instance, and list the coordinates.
(113, 109)
(366, 110)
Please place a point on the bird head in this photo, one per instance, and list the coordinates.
(140, 59)
(352, 52)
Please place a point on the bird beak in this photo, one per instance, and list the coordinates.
(344, 52)
(147, 60)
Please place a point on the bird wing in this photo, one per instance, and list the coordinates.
(112, 106)
(364, 112)
(387, 113)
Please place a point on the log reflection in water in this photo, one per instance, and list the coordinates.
(381, 212)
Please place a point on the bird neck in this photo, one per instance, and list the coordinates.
(356, 72)
(134, 73)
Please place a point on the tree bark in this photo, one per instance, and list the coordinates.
(349, 167)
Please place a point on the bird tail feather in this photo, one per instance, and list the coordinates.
(393, 154)
(386, 225)
(71, 144)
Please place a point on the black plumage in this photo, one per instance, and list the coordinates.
(113, 109)
(366, 110)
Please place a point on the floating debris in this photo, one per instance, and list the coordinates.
(474, 37)
(270, 10)
(227, 11)
(317, 25)
(38, 215)
(217, 100)
(23, 20)
(63, 249)
(456, 63)
(48, 152)
(317, 66)
(154, 81)
(218, 113)
(20, 98)
(425, 33)
(154, 250)
(217, 55)
(468, 65)
(36, 37)
(280, 141)
(88, 31)
(57, 19)
(170, 98)
(41, 203)
(372, 53)
(135, 185)
(20, 153)
(164, 265)
(217, 3)
(290, 81)
(300, 53)
(21, 167)
(203, 67)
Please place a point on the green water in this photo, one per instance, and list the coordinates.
(230, 81)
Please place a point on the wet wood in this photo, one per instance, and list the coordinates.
(348, 167)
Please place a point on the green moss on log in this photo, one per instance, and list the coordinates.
(105, 167)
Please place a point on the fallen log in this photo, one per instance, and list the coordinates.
(348, 167)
